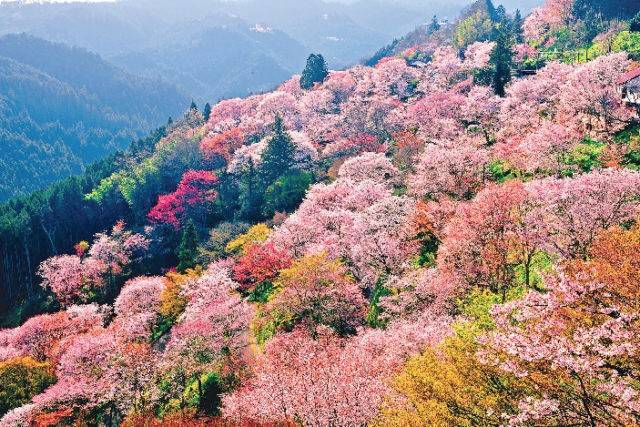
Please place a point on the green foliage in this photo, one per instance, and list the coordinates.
(373, 315)
(541, 263)
(476, 308)
(264, 328)
(500, 171)
(634, 23)
(631, 137)
(211, 390)
(501, 58)
(434, 25)
(219, 237)
(277, 158)
(20, 380)
(251, 194)
(477, 27)
(518, 27)
(262, 292)
(286, 193)
(429, 245)
(587, 155)
(188, 249)
(383, 52)
(629, 42)
(315, 71)
(206, 113)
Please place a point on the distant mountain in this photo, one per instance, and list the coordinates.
(221, 61)
(63, 107)
(343, 33)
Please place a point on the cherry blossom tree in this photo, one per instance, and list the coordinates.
(576, 344)
(458, 172)
(316, 291)
(550, 16)
(137, 307)
(74, 278)
(589, 98)
(40, 336)
(571, 212)
(327, 381)
(369, 166)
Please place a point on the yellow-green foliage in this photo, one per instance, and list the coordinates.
(172, 303)
(20, 379)
(448, 386)
(137, 175)
(629, 42)
(256, 234)
(476, 27)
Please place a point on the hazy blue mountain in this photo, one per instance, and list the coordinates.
(221, 61)
(62, 107)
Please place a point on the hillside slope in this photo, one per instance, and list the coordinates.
(221, 61)
(430, 241)
(63, 108)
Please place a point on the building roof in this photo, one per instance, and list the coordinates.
(627, 77)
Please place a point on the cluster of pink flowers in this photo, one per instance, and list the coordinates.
(72, 278)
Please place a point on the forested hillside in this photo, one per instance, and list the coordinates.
(222, 61)
(63, 108)
(449, 237)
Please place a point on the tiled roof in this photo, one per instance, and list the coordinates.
(629, 76)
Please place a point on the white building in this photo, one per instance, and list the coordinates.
(629, 87)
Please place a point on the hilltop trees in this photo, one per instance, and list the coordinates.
(315, 71)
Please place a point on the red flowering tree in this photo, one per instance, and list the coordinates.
(222, 145)
(195, 189)
(260, 263)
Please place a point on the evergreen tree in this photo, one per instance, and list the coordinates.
(188, 249)
(251, 194)
(491, 11)
(315, 71)
(518, 27)
(634, 24)
(207, 112)
(277, 158)
(435, 25)
(193, 106)
(501, 59)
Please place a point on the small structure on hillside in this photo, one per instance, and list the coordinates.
(629, 87)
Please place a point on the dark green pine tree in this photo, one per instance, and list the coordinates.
(491, 11)
(634, 24)
(501, 59)
(206, 113)
(518, 27)
(193, 106)
(188, 249)
(315, 71)
(251, 197)
(277, 158)
(434, 25)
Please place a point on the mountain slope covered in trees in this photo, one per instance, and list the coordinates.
(63, 108)
(440, 239)
(221, 61)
